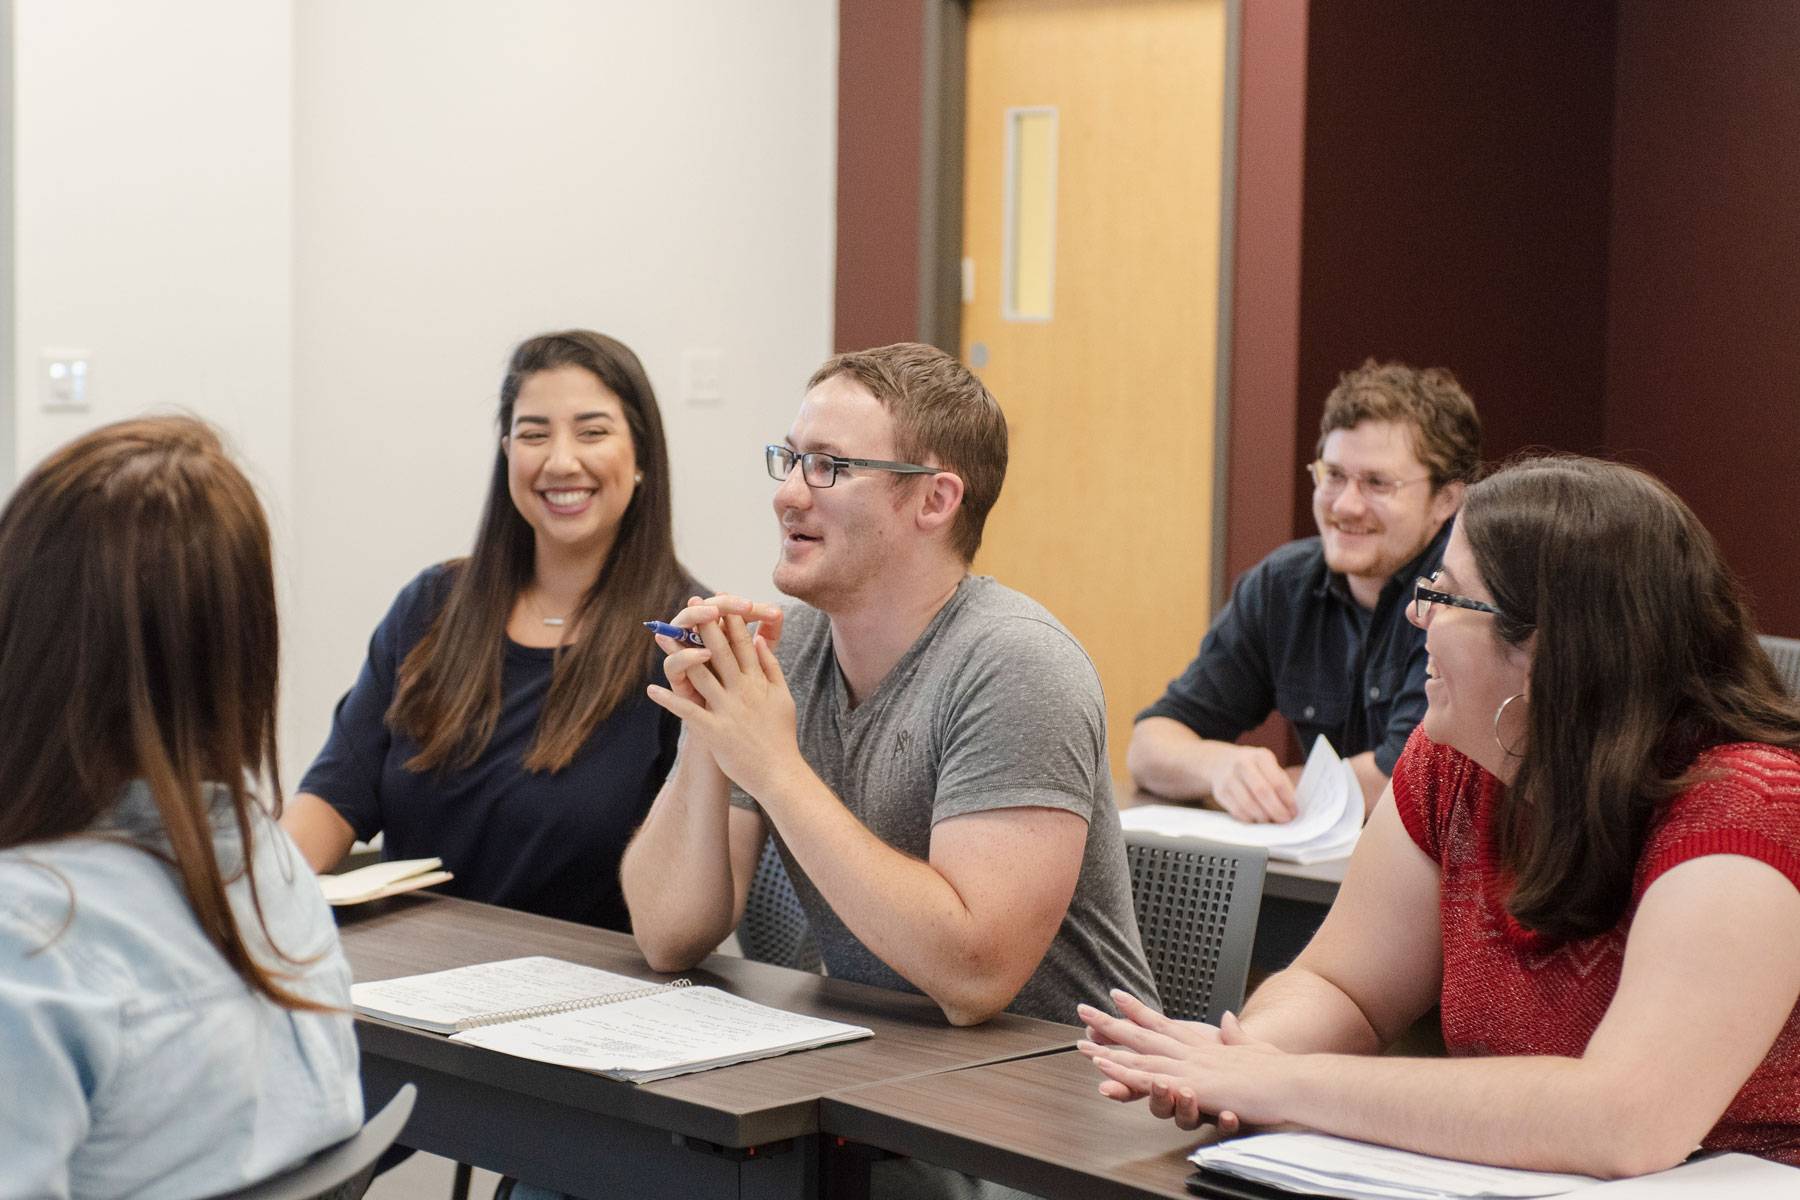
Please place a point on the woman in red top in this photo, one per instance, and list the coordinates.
(1589, 855)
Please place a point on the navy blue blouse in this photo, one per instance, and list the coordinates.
(546, 843)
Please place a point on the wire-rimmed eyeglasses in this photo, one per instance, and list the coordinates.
(1424, 596)
(820, 470)
(1330, 480)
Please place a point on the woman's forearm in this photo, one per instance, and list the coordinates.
(1536, 1112)
(1304, 1013)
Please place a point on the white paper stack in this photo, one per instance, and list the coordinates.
(1710, 1176)
(1318, 1165)
(1327, 821)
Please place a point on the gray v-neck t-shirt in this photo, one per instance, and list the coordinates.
(995, 706)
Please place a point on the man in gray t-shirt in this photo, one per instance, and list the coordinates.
(928, 747)
(995, 706)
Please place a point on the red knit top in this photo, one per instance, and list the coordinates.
(1508, 990)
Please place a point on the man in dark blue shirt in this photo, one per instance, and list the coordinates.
(1317, 631)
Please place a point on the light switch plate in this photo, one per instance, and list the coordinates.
(703, 376)
(65, 380)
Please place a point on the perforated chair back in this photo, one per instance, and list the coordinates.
(775, 928)
(1196, 905)
(1786, 655)
(343, 1171)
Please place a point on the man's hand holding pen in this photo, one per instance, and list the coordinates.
(729, 691)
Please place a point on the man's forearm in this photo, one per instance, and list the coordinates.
(676, 873)
(1370, 777)
(900, 907)
(1169, 759)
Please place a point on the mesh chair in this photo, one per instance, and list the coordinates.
(774, 928)
(1196, 905)
(1785, 653)
(340, 1172)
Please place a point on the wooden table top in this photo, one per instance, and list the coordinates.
(1036, 1124)
(748, 1104)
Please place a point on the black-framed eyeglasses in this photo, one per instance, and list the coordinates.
(1330, 481)
(1424, 596)
(820, 470)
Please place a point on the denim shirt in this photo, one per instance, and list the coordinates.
(1294, 640)
(137, 1063)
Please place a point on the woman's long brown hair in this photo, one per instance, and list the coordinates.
(1645, 655)
(138, 639)
(448, 695)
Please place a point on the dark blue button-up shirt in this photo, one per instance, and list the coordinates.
(1293, 640)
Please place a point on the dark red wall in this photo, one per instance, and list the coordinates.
(881, 57)
(1457, 166)
(1265, 290)
(1265, 295)
(1703, 362)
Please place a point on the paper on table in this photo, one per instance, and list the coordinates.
(669, 1033)
(1739, 1176)
(382, 879)
(1318, 1164)
(1327, 821)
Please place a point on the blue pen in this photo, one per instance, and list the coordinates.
(674, 631)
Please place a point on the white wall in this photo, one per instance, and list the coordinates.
(153, 200)
(324, 223)
(471, 174)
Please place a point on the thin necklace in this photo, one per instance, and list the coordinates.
(555, 622)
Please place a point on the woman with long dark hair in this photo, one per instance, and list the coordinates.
(174, 1007)
(500, 721)
(1589, 855)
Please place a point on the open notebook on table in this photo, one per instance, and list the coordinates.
(1327, 820)
(575, 1016)
(382, 879)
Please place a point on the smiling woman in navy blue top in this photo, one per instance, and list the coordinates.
(500, 721)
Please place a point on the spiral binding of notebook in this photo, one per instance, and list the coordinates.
(548, 1010)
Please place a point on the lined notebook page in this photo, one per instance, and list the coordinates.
(447, 1000)
(669, 1033)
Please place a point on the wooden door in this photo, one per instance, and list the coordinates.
(1091, 311)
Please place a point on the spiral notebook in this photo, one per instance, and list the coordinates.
(562, 1012)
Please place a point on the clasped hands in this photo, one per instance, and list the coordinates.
(1190, 1072)
(730, 693)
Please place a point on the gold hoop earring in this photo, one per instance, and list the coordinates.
(1498, 713)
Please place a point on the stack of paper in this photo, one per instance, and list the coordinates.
(1318, 1165)
(1327, 821)
(1738, 1176)
(382, 879)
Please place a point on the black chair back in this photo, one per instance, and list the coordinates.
(1786, 655)
(775, 928)
(1196, 905)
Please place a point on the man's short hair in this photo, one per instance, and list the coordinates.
(1446, 430)
(942, 413)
